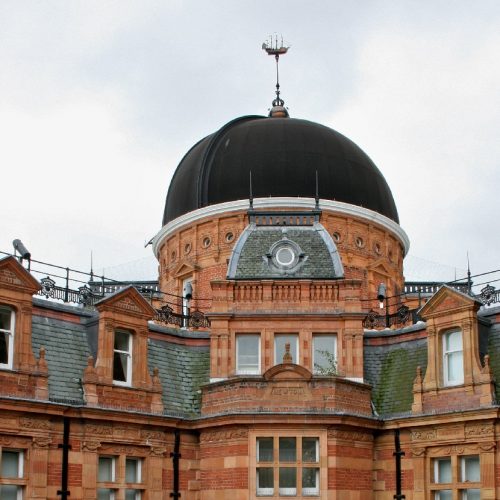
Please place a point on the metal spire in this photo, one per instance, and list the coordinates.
(274, 48)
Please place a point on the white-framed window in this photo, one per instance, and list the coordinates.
(11, 470)
(324, 354)
(122, 358)
(453, 358)
(442, 470)
(289, 463)
(247, 354)
(280, 342)
(7, 328)
(133, 476)
(456, 478)
(187, 288)
(106, 473)
(119, 476)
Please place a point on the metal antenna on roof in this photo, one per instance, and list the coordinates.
(250, 197)
(317, 192)
(91, 266)
(469, 282)
(273, 49)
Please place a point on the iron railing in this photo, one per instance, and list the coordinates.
(86, 289)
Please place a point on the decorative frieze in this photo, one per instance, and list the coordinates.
(227, 435)
(349, 435)
(424, 435)
(34, 423)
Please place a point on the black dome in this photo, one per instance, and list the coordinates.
(283, 155)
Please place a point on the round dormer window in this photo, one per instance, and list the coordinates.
(285, 256)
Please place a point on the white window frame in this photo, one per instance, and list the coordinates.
(446, 355)
(299, 465)
(10, 338)
(463, 468)
(185, 302)
(240, 371)
(129, 354)
(437, 479)
(113, 468)
(138, 469)
(277, 335)
(319, 335)
(20, 472)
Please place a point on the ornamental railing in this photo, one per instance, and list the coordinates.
(86, 289)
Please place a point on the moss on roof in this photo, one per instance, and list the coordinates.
(391, 370)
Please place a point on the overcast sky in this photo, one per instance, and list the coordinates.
(99, 100)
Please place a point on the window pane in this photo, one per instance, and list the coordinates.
(442, 470)
(324, 356)
(5, 317)
(122, 341)
(105, 473)
(288, 481)
(470, 469)
(443, 495)
(132, 467)
(454, 341)
(120, 367)
(264, 449)
(455, 367)
(288, 449)
(265, 481)
(10, 464)
(471, 495)
(105, 494)
(247, 347)
(132, 495)
(310, 449)
(8, 492)
(310, 481)
(279, 347)
(4, 347)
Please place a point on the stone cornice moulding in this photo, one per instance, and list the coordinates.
(280, 203)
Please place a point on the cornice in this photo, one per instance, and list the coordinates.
(280, 203)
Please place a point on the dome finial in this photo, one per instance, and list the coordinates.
(272, 48)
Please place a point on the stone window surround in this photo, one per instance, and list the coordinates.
(118, 476)
(299, 434)
(458, 481)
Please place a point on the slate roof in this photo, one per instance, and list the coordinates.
(249, 261)
(391, 370)
(67, 351)
(494, 352)
(182, 369)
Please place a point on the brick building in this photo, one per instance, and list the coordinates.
(258, 365)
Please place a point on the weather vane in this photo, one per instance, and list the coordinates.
(275, 48)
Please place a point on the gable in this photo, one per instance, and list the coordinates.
(14, 276)
(128, 302)
(447, 300)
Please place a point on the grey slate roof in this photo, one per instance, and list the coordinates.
(67, 351)
(391, 370)
(182, 369)
(320, 260)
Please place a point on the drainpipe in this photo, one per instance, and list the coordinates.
(398, 454)
(64, 492)
(175, 462)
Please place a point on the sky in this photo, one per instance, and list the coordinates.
(99, 101)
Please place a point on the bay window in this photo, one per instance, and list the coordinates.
(324, 354)
(281, 340)
(248, 354)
